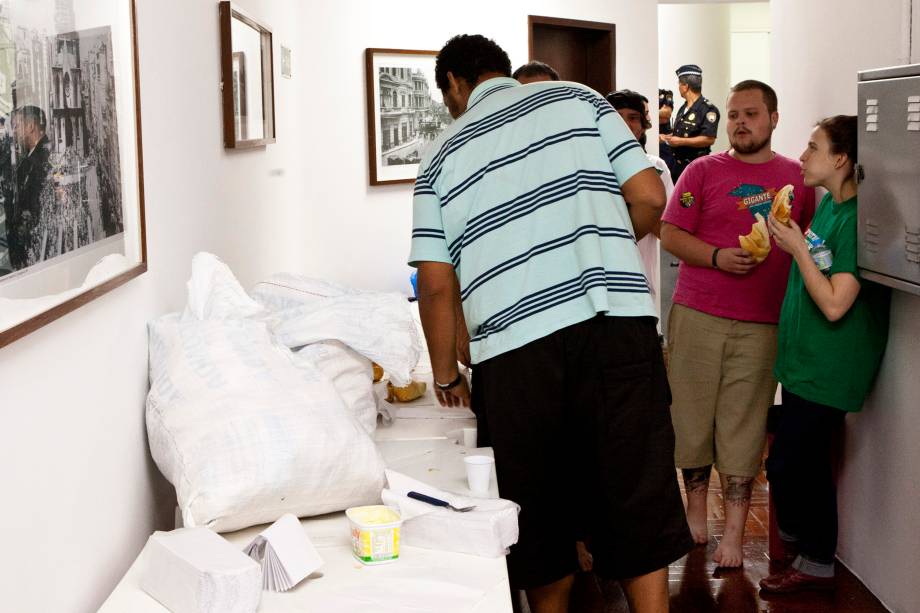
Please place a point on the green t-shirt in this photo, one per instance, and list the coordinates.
(832, 363)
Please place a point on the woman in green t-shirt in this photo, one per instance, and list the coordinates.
(832, 333)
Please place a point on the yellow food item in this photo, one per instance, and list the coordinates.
(415, 389)
(781, 207)
(373, 515)
(378, 372)
(757, 243)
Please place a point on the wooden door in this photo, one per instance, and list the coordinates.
(581, 51)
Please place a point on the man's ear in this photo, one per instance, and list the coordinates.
(774, 119)
(452, 84)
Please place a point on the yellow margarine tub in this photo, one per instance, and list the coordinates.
(374, 533)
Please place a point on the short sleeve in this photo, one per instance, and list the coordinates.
(624, 152)
(685, 203)
(429, 243)
(710, 125)
(843, 248)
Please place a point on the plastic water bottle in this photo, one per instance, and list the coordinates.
(823, 257)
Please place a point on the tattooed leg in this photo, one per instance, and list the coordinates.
(736, 493)
(696, 482)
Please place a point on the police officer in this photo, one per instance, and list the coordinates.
(696, 122)
(665, 110)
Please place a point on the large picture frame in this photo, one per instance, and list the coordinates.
(71, 158)
(405, 112)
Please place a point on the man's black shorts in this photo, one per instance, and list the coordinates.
(581, 428)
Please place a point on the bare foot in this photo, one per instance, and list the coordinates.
(728, 554)
(585, 559)
(696, 483)
(696, 519)
(736, 492)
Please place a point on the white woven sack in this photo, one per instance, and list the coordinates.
(377, 325)
(243, 434)
(350, 373)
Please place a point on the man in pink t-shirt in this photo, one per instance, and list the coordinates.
(722, 327)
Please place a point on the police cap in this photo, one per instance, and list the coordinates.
(689, 70)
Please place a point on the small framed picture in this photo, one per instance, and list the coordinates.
(405, 112)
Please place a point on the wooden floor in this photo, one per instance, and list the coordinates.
(697, 587)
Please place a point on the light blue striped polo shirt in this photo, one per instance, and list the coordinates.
(522, 195)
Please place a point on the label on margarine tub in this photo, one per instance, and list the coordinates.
(374, 533)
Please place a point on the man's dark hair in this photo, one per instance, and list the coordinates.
(536, 69)
(468, 56)
(32, 113)
(769, 94)
(841, 131)
(665, 98)
(693, 81)
(628, 99)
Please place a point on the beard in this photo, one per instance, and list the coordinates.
(751, 146)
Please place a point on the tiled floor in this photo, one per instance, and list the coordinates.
(697, 587)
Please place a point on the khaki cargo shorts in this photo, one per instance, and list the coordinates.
(721, 377)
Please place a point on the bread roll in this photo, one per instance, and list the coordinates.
(781, 204)
(757, 243)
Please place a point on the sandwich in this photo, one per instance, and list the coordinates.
(757, 243)
(781, 204)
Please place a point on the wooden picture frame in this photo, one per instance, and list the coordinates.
(405, 112)
(72, 222)
(247, 79)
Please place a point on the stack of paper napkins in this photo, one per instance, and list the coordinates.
(286, 554)
(488, 530)
(194, 570)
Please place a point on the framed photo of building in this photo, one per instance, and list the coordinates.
(405, 112)
(71, 170)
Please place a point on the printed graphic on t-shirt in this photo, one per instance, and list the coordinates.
(687, 200)
(754, 198)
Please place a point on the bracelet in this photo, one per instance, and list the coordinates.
(715, 252)
(446, 386)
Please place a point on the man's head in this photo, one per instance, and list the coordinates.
(665, 105)
(752, 116)
(462, 63)
(689, 79)
(632, 107)
(28, 125)
(531, 72)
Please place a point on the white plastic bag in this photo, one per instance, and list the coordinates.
(377, 325)
(350, 373)
(243, 433)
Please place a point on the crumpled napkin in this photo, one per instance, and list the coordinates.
(488, 530)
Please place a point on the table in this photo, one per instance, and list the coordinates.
(421, 580)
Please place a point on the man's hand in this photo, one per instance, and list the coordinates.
(458, 395)
(735, 260)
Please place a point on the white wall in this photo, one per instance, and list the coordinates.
(697, 34)
(814, 67)
(374, 220)
(703, 33)
(80, 492)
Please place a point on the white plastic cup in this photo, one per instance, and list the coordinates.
(469, 437)
(478, 472)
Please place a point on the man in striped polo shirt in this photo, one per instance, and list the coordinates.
(521, 215)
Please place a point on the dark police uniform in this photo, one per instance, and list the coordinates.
(666, 98)
(701, 119)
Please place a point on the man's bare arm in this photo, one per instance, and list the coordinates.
(644, 194)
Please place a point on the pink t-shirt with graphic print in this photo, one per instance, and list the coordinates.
(715, 200)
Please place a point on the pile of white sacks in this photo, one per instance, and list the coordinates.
(263, 405)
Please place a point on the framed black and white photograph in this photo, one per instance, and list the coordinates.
(405, 112)
(71, 187)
